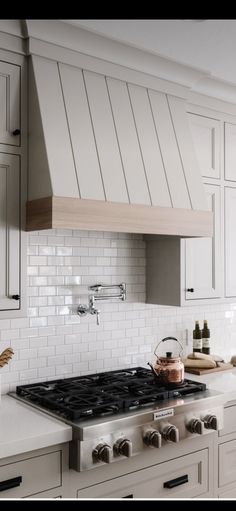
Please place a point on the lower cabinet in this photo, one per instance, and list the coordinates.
(186, 476)
(227, 454)
(37, 474)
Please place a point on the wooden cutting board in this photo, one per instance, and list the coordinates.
(222, 366)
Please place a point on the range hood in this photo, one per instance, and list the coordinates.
(107, 153)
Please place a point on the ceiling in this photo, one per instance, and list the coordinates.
(206, 44)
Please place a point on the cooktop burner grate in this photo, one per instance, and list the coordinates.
(103, 393)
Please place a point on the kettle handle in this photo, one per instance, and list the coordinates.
(167, 339)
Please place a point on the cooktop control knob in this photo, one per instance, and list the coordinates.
(152, 438)
(195, 426)
(103, 452)
(123, 447)
(211, 422)
(171, 433)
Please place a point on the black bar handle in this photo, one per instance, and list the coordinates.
(131, 496)
(176, 482)
(190, 289)
(16, 132)
(10, 483)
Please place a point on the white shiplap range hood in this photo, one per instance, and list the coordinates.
(110, 147)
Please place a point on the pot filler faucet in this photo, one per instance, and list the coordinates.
(83, 310)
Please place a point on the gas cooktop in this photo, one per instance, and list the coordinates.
(103, 394)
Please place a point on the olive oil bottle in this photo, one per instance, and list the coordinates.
(205, 338)
(197, 338)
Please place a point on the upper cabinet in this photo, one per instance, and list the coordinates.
(9, 104)
(230, 151)
(9, 231)
(12, 187)
(206, 138)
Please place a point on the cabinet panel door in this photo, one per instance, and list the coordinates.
(9, 231)
(206, 139)
(9, 103)
(203, 256)
(230, 151)
(230, 242)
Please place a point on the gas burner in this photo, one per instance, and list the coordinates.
(103, 394)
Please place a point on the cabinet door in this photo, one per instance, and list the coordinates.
(230, 242)
(206, 139)
(230, 151)
(9, 103)
(9, 231)
(203, 256)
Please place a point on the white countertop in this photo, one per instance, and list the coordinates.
(223, 381)
(24, 429)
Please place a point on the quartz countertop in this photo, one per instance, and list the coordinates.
(223, 381)
(24, 429)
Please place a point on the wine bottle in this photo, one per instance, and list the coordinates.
(197, 338)
(205, 338)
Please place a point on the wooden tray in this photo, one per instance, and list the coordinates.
(221, 367)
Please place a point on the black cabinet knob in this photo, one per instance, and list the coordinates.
(190, 290)
(15, 297)
(16, 132)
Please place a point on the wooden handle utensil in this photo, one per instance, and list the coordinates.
(5, 356)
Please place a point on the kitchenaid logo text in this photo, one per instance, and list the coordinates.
(163, 413)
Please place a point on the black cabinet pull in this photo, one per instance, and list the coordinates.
(131, 496)
(16, 132)
(10, 483)
(176, 482)
(190, 289)
(15, 297)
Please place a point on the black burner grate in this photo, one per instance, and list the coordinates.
(103, 393)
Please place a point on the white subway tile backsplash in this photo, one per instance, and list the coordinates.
(53, 341)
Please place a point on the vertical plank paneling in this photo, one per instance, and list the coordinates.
(129, 143)
(169, 150)
(13, 216)
(81, 130)
(106, 140)
(56, 134)
(150, 148)
(187, 151)
(3, 230)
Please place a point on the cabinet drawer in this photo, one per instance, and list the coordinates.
(32, 475)
(229, 421)
(186, 476)
(227, 463)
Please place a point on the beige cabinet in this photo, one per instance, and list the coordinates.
(230, 151)
(227, 454)
(10, 104)
(186, 476)
(230, 242)
(184, 271)
(37, 474)
(13, 164)
(9, 231)
(206, 139)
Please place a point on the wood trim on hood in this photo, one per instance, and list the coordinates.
(71, 213)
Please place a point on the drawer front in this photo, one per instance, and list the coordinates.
(227, 463)
(182, 477)
(229, 494)
(30, 476)
(229, 421)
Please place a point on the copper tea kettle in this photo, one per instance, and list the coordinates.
(169, 369)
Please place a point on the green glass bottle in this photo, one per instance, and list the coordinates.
(206, 338)
(197, 338)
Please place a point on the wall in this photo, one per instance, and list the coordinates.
(53, 342)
